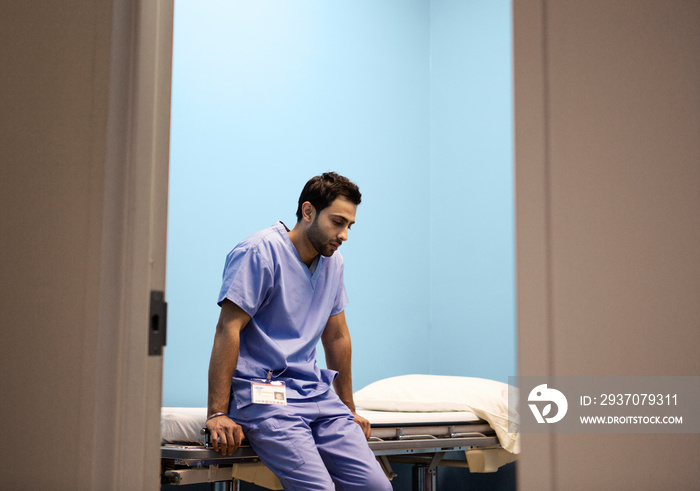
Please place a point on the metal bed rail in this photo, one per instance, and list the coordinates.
(423, 446)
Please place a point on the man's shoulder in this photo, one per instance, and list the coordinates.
(266, 241)
(266, 235)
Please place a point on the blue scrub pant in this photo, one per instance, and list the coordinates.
(312, 444)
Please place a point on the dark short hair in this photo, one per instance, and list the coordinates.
(322, 190)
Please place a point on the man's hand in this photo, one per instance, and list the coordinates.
(364, 424)
(226, 435)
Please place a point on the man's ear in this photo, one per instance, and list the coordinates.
(308, 212)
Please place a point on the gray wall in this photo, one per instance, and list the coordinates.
(82, 240)
(607, 97)
(54, 113)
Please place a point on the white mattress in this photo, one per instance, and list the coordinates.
(395, 418)
(184, 424)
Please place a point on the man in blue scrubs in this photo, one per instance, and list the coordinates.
(282, 291)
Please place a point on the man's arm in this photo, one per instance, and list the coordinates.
(336, 344)
(224, 357)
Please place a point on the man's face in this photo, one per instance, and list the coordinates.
(329, 228)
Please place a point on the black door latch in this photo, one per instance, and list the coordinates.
(157, 326)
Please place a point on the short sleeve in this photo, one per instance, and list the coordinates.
(341, 297)
(247, 280)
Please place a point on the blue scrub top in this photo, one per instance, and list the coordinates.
(289, 308)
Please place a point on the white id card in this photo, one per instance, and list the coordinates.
(265, 392)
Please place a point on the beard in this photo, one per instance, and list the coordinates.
(319, 240)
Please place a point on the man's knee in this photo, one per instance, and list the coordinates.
(372, 477)
(377, 482)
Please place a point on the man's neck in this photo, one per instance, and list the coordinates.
(306, 251)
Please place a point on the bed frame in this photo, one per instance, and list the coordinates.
(423, 445)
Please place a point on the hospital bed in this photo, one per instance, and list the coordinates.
(467, 436)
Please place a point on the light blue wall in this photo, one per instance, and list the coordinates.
(472, 228)
(269, 93)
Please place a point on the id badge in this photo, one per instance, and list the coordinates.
(265, 392)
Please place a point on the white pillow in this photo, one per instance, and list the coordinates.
(488, 399)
